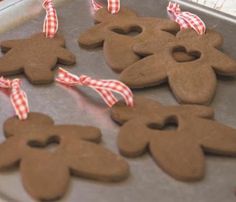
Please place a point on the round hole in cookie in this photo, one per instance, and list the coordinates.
(51, 144)
(133, 31)
(170, 124)
(181, 55)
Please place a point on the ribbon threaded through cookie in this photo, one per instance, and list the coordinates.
(18, 97)
(185, 19)
(104, 88)
(113, 6)
(50, 25)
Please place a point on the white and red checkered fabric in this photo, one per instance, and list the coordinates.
(104, 88)
(113, 6)
(18, 97)
(50, 25)
(186, 19)
(96, 6)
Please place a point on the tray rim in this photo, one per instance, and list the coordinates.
(208, 10)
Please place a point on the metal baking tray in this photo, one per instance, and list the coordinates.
(147, 181)
(225, 6)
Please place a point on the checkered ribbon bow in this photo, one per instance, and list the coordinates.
(104, 88)
(186, 19)
(17, 96)
(50, 25)
(113, 6)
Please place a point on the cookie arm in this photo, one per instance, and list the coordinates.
(217, 138)
(88, 133)
(193, 110)
(147, 48)
(10, 153)
(169, 26)
(10, 64)
(222, 63)
(9, 44)
(93, 37)
(65, 56)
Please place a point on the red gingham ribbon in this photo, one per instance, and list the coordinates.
(17, 96)
(186, 19)
(104, 88)
(113, 6)
(50, 25)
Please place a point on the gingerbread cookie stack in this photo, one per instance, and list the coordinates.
(113, 33)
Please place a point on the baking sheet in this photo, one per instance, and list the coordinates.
(147, 182)
(225, 6)
(15, 12)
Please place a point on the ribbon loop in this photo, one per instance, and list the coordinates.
(186, 19)
(18, 97)
(104, 88)
(113, 6)
(50, 25)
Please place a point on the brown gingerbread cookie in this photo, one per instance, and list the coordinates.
(46, 172)
(114, 33)
(191, 81)
(179, 150)
(35, 57)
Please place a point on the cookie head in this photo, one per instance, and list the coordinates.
(13, 126)
(103, 15)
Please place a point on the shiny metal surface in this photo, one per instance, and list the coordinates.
(147, 182)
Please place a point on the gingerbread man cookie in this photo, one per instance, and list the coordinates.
(36, 57)
(113, 33)
(46, 172)
(191, 81)
(180, 150)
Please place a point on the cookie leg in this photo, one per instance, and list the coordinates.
(39, 75)
(193, 83)
(88, 133)
(178, 157)
(133, 138)
(144, 73)
(92, 161)
(44, 177)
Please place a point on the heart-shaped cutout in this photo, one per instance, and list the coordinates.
(133, 31)
(180, 54)
(51, 144)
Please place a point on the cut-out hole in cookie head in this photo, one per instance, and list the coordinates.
(131, 31)
(51, 144)
(180, 54)
(170, 124)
